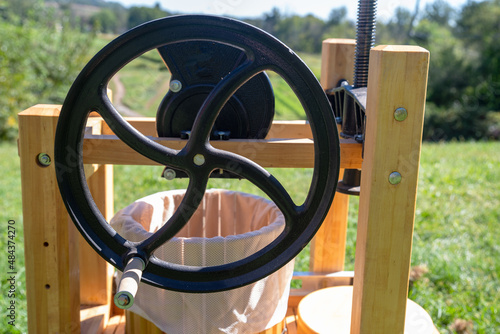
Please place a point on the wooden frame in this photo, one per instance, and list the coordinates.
(60, 288)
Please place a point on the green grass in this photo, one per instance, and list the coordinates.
(11, 209)
(146, 82)
(456, 234)
(456, 228)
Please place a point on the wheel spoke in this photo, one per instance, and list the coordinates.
(218, 97)
(135, 139)
(262, 179)
(187, 207)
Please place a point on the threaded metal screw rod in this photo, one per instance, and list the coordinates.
(365, 39)
(353, 114)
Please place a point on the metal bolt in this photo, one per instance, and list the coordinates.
(175, 86)
(122, 300)
(199, 159)
(44, 159)
(395, 178)
(169, 174)
(400, 114)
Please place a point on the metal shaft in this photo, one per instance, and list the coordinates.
(365, 39)
(352, 123)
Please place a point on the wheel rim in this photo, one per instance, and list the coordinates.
(88, 93)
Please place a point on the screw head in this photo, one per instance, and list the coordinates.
(199, 159)
(44, 159)
(175, 86)
(122, 300)
(400, 114)
(169, 174)
(395, 178)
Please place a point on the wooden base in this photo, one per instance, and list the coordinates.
(137, 324)
(93, 323)
(307, 317)
(329, 311)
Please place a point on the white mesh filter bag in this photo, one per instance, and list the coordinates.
(228, 226)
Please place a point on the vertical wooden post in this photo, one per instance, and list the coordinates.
(328, 246)
(51, 247)
(337, 62)
(397, 79)
(95, 273)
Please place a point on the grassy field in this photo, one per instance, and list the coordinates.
(456, 245)
(456, 234)
(456, 253)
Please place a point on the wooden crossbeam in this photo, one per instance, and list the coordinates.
(298, 153)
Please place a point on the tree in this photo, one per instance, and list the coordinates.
(24, 9)
(139, 15)
(440, 12)
(478, 26)
(464, 75)
(105, 21)
(338, 26)
(39, 59)
(400, 25)
(301, 33)
(337, 16)
(271, 20)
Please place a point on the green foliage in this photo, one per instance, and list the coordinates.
(448, 63)
(301, 33)
(456, 123)
(479, 27)
(464, 74)
(440, 12)
(105, 21)
(60, 56)
(346, 29)
(305, 33)
(139, 15)
(38, 64)
(399, 27)
(23, 10)
(337, 16)
(14, 80)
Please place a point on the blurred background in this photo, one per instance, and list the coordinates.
(456, 253)
(44, 44)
